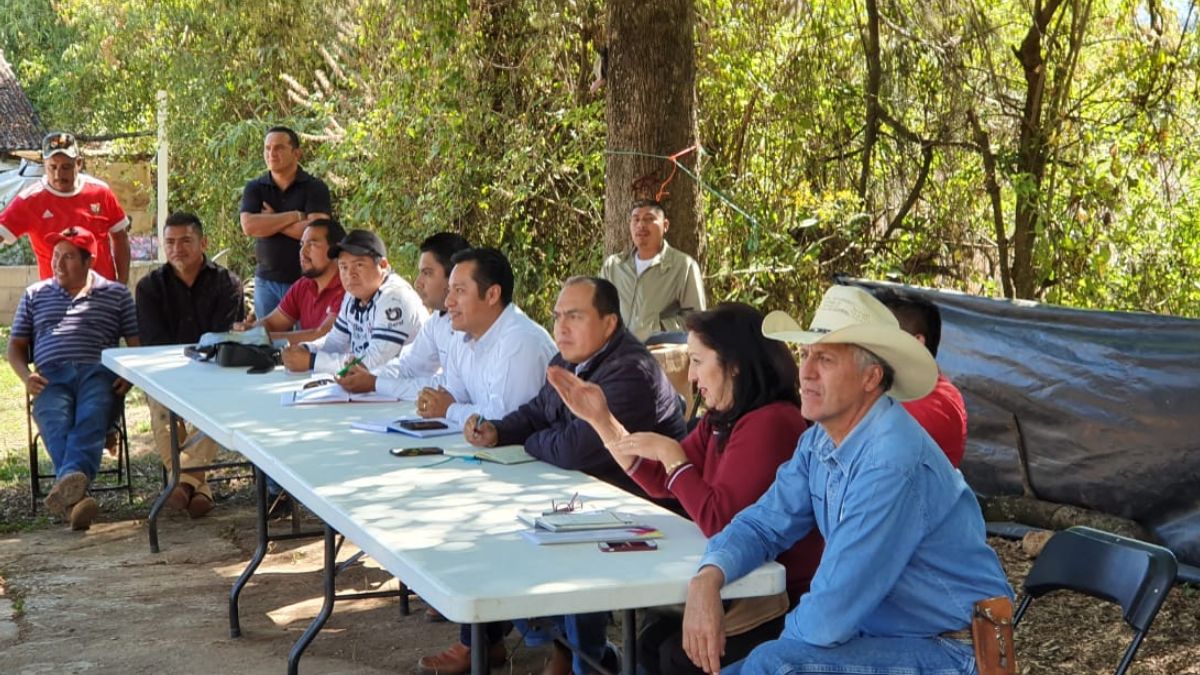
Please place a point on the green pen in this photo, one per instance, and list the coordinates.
(346, 368)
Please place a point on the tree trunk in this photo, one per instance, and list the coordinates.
(1032, 152)
(871, 99)
(651, 109)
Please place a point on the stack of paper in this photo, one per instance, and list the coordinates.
(546, 537)
(573, 527)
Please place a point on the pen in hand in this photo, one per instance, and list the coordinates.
(346, 368)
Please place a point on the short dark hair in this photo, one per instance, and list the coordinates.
(443, 246)
(334, 232)
(763, 370)
(605, 298)
(491, 268)
(185, 219)
(292, 135)
(648, 203)
(916, 315)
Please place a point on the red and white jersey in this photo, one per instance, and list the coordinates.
(40, 209)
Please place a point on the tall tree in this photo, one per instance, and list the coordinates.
(651, 110)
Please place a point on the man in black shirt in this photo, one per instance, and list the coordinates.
(176, 304)
(276, 207)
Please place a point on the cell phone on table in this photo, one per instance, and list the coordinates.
(421, 425)
(415, 452)
(627, 546)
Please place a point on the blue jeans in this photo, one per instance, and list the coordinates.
(863, 656)
(267, 296)
(73, 414)
(585, 632)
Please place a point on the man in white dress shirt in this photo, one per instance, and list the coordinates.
(419, 365)
(499, 360)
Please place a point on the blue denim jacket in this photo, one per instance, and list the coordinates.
(906, 554)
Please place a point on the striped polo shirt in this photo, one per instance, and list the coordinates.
(74, 330)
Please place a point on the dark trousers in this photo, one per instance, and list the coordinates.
(494, 631)
(660, 644)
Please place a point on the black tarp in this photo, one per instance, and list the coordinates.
(1107, 403)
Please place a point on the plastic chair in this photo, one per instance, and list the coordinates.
(1133, 574)
(112, 478)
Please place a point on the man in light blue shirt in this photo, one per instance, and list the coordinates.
(906, 556)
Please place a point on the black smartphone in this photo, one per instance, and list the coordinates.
(627, 546)
(422, 425)
(415, 452)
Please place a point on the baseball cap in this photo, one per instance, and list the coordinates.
(79, 237)
(59, 143)
(359, 242)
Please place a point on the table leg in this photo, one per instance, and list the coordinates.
(171, 483)
(629, 642)
(319, 620)
(479, 650)
(260, 552)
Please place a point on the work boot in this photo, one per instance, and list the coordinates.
(180, 497)
(457, 660)
(559, 662)
(83, 513)
(200, 505)
(66, 493)
(110, 443)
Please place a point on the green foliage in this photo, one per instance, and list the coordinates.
(476, 117)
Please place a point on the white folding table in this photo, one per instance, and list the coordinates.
(446, 527)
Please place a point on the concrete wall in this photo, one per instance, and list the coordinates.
(15, 279)
(133, 184)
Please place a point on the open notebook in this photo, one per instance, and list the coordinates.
(328, 391)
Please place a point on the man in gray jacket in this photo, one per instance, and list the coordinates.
(658, 285)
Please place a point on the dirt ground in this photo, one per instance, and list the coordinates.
(100, 602)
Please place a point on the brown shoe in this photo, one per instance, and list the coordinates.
(199, 505)
(83, 513)
(66, 493)
(180, 497)
(457, 660)
(559, 662)
(110, 443)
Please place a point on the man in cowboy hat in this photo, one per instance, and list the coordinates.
(906, 556)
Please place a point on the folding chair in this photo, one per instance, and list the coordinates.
(1133, 574)
(108, 479)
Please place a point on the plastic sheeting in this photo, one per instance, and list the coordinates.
(1107, 404)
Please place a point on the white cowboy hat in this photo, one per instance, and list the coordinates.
(851, 315)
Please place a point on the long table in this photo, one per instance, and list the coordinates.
(445, 527)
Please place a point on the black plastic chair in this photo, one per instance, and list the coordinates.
(1133, 574)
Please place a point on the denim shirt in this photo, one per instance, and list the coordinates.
(906, 553)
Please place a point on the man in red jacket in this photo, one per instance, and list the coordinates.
(942, 413)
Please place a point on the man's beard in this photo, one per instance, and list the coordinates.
(312, 272)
